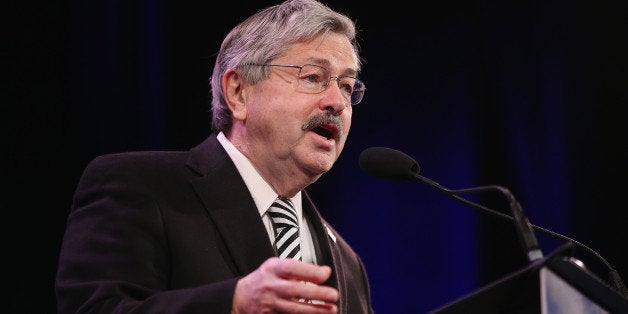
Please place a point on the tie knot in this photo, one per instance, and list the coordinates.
(283, 214)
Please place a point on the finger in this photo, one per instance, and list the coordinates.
(307, 292)
(312, 293)
(297, 270)
(294, 306)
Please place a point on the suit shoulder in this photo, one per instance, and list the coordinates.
(138, 158)
(139, 162)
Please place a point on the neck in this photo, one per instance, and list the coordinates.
(282, 174)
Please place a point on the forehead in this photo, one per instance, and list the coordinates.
(332, 50)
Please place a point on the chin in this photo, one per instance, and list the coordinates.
(319, 166)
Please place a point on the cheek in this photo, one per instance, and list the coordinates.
(275, 122)
(347, 121)
(263, 107)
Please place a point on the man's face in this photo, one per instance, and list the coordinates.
(276, 112)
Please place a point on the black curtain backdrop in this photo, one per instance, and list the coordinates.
(530, 95)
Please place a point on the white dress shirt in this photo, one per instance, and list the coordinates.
(264, 196)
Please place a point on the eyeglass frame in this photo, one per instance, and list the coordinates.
(325, 84)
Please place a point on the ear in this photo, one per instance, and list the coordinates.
(233, 87)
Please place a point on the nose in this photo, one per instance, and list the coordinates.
(334, 101)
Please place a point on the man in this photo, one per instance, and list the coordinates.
(187, 232)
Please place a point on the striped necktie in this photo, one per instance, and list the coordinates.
(284, 219)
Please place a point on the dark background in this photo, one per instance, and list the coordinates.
(530, 95)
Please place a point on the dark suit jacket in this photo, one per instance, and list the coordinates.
(172, 232)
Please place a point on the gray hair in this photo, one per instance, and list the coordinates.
(267, 35)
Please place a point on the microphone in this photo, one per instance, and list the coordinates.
(390, 164)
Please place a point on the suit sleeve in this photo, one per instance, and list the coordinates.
(114, 256)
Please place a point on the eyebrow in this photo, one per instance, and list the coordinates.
(327, 64)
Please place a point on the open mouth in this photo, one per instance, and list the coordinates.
(327, 126)
(327, 131)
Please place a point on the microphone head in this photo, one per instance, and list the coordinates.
(389, 164)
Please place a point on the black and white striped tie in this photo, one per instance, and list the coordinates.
(284, 219)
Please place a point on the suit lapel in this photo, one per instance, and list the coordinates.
(230, 205)
(327, 248)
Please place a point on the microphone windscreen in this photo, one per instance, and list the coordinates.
(389, 164)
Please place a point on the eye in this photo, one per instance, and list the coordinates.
(312, 75)
(311, 78)
(346, 84)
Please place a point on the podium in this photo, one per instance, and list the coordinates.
(551, 285)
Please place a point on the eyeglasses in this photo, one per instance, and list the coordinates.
(314, 79)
